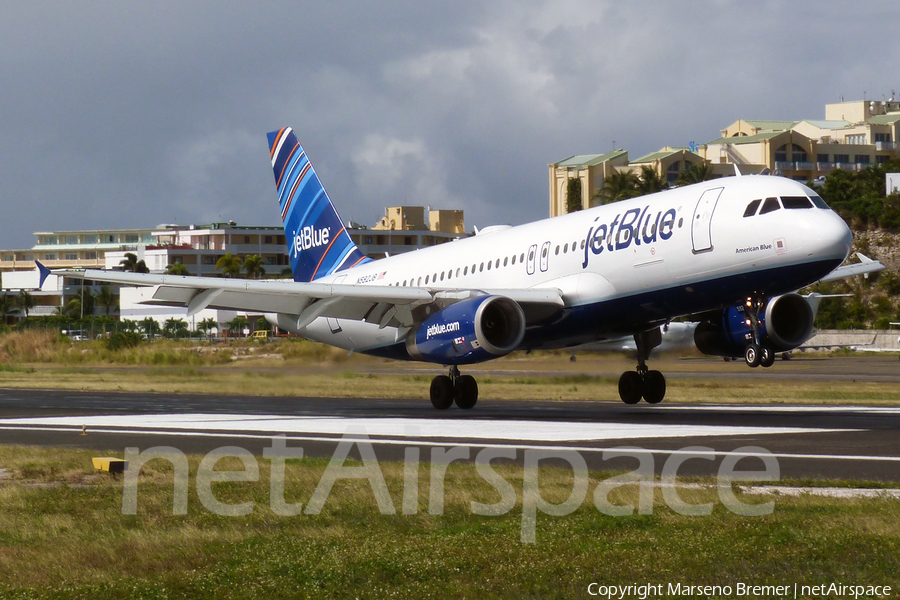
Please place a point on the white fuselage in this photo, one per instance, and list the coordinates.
(623, 266)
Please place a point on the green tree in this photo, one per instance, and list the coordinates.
(132, 264)
(150, 327)
(237, 325)
(7, 305)
(177, 269)
(573, 195)
(859, 197)
(253, 265)
(262, 324)
(130, 325)
(106, 298)
(230, 265)
(26, 302)
(617, 186)
(80, 306)
(175, 327)
(650, 182)
(695, 173)
(207, 325)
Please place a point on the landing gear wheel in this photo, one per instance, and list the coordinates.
(752, 355)
(654, 387)
(630, 387)
(766, 356)
(441, 392)
(465, 391)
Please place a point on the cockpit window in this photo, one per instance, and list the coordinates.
(796, 202)
(769, 205)
(751, 208)
(817, 200)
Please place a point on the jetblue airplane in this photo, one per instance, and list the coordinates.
(727, 253)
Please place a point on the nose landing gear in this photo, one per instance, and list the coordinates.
(756, 353)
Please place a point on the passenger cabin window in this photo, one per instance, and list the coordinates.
(751, 208)
(769, 205)
(796, 202)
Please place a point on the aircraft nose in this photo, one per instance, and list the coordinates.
(832, 237)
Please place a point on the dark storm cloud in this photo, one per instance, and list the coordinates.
(128, 115)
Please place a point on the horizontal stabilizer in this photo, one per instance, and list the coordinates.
(864, 267)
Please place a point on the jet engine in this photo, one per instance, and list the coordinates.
(786, 323)
(470, 331)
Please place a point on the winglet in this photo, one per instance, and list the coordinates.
(45, 273)
(737, 171)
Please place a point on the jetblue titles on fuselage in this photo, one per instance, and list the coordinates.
(636, 225)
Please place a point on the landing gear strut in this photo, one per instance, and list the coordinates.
(643, 383)
(756, 353)
(447, 389)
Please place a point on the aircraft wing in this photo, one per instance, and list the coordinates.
(865, 266)
(382, 304)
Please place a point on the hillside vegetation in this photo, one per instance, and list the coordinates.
(874, 217)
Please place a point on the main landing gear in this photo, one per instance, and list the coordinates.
(643, 383)
(756, 354)
(447, 389)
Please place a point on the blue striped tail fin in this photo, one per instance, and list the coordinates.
(318, 242)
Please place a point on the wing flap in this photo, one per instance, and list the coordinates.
(381, 304)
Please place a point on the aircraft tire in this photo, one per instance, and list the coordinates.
(441, 392)
(766, 357)
(654, 387)
(466, 392)
(752, 355)
(630, 387)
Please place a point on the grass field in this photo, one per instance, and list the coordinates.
(302, 368)
(63, 535)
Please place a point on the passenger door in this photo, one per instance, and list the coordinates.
(701, 224)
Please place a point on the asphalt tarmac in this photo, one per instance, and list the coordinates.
(817, 442)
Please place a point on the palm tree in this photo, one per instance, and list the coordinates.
(80, 306)
(130, 325)
(237, 324)
(26, 302)
(650, 181)
(694, 173)
(132, 264)
(254, 266)
(106, 298)
(206, 325)
(150, 327)
(173, 327)
(620, 185)
(177, 269)
(230, 265)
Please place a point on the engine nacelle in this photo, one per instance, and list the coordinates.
(470, 331)
(786, 323)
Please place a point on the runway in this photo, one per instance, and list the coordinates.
(822, 442)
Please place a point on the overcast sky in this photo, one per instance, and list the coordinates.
(126, 114)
